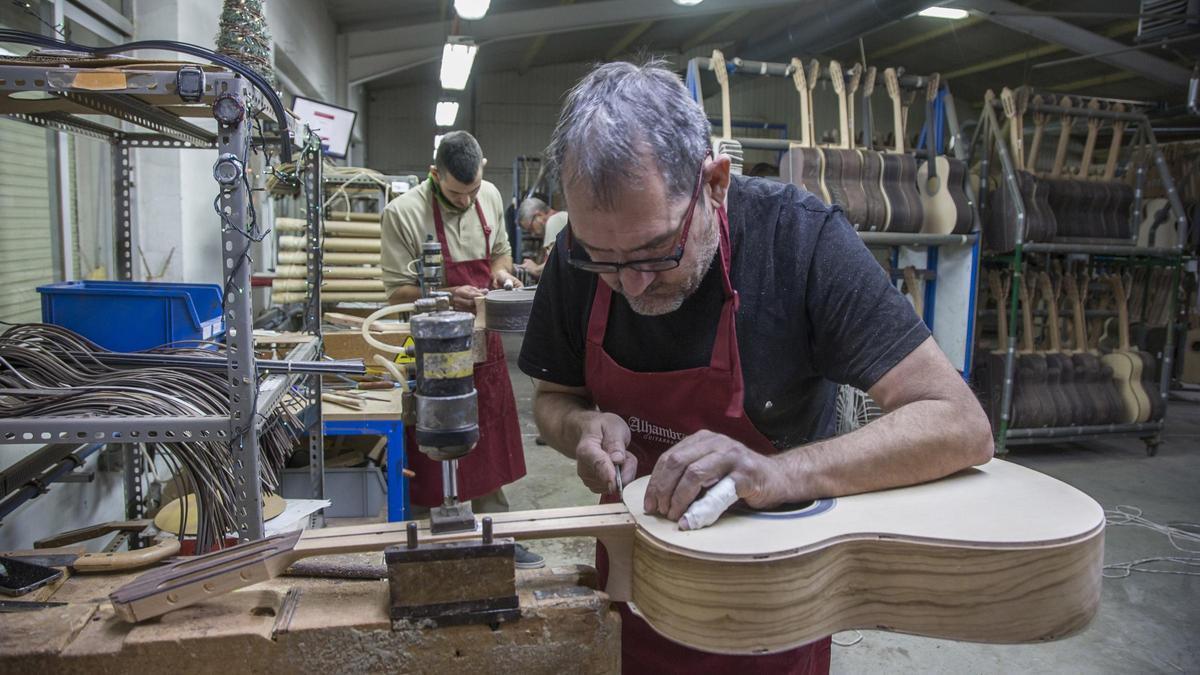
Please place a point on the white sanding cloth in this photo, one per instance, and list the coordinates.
(705, 511)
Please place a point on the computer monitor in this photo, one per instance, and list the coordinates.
(333, 124)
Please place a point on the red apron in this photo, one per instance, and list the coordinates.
(661, 409)
(499, 458)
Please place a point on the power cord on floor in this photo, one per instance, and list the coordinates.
(851, 643)
(1176, 532)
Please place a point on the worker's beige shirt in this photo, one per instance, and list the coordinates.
(554, 225)
(407, 219)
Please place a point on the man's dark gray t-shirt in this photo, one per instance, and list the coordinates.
(816, 309)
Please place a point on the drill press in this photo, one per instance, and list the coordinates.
(461, 582)
(446, 406)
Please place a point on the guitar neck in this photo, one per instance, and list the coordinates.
(1000, 293)
(1064, 138)
(1114, 148)
(192, 581)
(1026, 317)
(722, 73)
(897, 126)
(1077, 315)
(1089, 147)
(839, 85)
(801, 83)
(1051, 297)
(1118, 290)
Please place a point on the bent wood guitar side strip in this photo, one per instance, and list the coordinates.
(936, 559)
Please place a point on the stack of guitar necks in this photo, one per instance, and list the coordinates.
(351, 270)
(1060, 382)
(884, 190)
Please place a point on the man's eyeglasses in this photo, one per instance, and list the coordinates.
(662, 264)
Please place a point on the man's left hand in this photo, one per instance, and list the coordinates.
(702, 459)
(501, 276)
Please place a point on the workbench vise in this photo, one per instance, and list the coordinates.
(452, 583)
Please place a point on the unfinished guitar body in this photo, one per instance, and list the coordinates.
(938, 559)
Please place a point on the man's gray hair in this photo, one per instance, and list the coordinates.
(619, 115)
(460, 155)
(530, 208)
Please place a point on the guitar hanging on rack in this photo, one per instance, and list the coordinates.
(1125, 363)
(1093, 379)
(870, 164)
(1060, 370)
(1119, 208)
(899, 177)
(805, 162)
(1032, 404)
(843, 166)
(940, 180)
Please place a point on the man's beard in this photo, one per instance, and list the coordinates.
(659, 299)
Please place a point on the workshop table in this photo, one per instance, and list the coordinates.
(377, 418)
(313, 625)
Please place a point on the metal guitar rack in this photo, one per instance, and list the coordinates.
(1149, 432)
(146, 98)
(950, 295)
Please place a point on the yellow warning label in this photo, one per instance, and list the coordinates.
(448, 365)
(404, 359)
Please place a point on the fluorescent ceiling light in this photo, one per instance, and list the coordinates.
(447, 112)
(944, 13)
(457, 58)
(688, 3)
(471, 10)
(437, 140)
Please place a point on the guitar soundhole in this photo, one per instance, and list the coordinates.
(789, 507)
(787, 510)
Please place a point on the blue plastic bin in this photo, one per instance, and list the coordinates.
(127, 316)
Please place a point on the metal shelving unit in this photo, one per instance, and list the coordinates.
(989, 135)
(143, 94)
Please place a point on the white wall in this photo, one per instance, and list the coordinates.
(175, 187)
(511, 114)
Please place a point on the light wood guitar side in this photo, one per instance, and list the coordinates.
(936, 559)
(1125, 363)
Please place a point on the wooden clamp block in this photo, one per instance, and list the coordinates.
(451, 584)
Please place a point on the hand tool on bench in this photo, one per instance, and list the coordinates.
(58, 550)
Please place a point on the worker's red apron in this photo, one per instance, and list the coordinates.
(499, 458)
(661, 409)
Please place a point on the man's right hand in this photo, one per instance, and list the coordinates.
(462, 298)
(603, 440)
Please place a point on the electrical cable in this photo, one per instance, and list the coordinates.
(259, 82)
(1176, 533)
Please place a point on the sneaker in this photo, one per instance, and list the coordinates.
(525, 559)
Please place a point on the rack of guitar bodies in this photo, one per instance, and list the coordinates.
(1076, 364)
(1087, 198)
(881, 187)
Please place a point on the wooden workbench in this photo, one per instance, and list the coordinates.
(314, 625)
(374, 410)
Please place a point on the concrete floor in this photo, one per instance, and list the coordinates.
(1147, 622)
